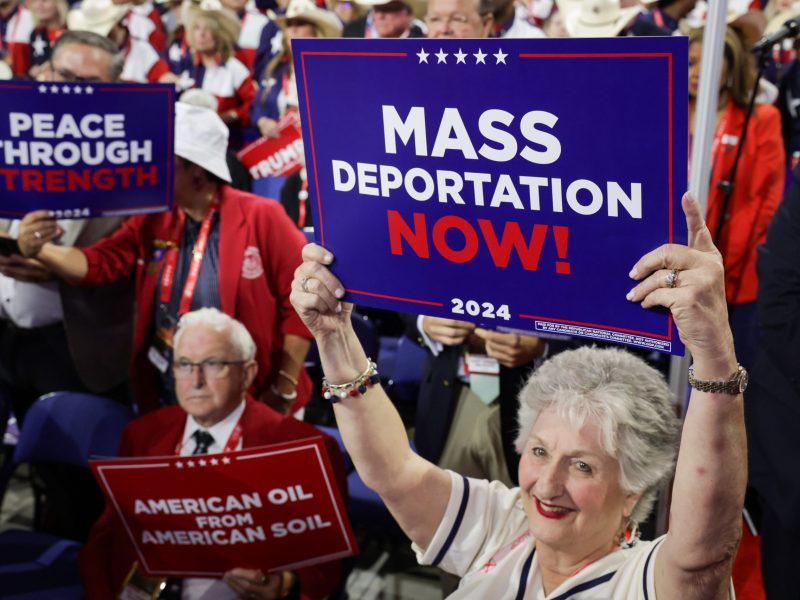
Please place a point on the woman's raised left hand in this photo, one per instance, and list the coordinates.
(697, 297)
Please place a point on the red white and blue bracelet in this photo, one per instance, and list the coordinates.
(356, 387)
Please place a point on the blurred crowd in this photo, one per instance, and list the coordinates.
(231, 63)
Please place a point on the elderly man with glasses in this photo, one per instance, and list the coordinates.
(214, 365)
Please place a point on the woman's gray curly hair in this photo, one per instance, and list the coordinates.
(626, 398)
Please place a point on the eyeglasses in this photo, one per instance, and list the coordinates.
(212, 368)
(67, 75)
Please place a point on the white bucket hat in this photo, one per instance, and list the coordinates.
(201, 137)
(326, 21)
(599, 18)
(97, 16)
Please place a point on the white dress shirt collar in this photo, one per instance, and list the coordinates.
(221, 432)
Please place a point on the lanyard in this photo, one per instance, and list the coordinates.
(231, 444)
(171, 261)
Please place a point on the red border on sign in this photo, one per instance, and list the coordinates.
(666, 55)
(349, 551)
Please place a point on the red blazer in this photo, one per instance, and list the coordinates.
(756, 194)
(108, 554)
(259, 249)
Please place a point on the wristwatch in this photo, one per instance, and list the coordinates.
(734, 385)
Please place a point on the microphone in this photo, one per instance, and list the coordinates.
(790, 29)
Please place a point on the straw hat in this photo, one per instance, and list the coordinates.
(777, 21)
(599, 18)
(201, 137)
(97, 16)
(325, 21)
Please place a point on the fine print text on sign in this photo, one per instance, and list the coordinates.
(513, 183)
(86, 149)
(269, 508)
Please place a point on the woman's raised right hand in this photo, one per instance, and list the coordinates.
(316, 293)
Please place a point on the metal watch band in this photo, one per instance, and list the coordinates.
(734, 385)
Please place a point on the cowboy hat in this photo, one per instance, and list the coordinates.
(326, 22)
(750, 23)
(97, 16)
(599, 18)
(778, 19)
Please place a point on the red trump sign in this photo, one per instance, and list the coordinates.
(273, 508)
(282, 155)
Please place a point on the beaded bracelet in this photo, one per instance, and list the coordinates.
(353, 388)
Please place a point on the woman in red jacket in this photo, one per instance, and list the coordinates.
(218, 247)
(758, 186)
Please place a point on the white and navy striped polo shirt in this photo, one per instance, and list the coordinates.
(484, 538)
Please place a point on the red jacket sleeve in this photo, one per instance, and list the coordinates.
(245, 94)
(113, 257)
(159, 68)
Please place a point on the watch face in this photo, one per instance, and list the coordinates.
(744, 378)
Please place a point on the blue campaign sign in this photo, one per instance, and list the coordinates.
(85, 149)
(513, 183)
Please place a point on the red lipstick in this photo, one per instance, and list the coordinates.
(551, 514)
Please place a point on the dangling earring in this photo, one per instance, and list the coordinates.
(630, 536)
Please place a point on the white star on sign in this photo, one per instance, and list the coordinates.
(480, 57)
(190, 463)
(214, 462)
(423, 56)
(442, 56)
(226, 460)
(89, 90)
(500, 56)
(42, 89)
(54, 89)
(202, 462)
(460, 56)
(78, 89)
(66, 89)
(179, 465)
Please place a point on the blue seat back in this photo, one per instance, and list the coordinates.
(68, 427)
(409, 361)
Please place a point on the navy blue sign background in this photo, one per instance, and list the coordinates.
(113, 157)
(621, 108)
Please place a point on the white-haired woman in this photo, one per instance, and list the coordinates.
(597, 440)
